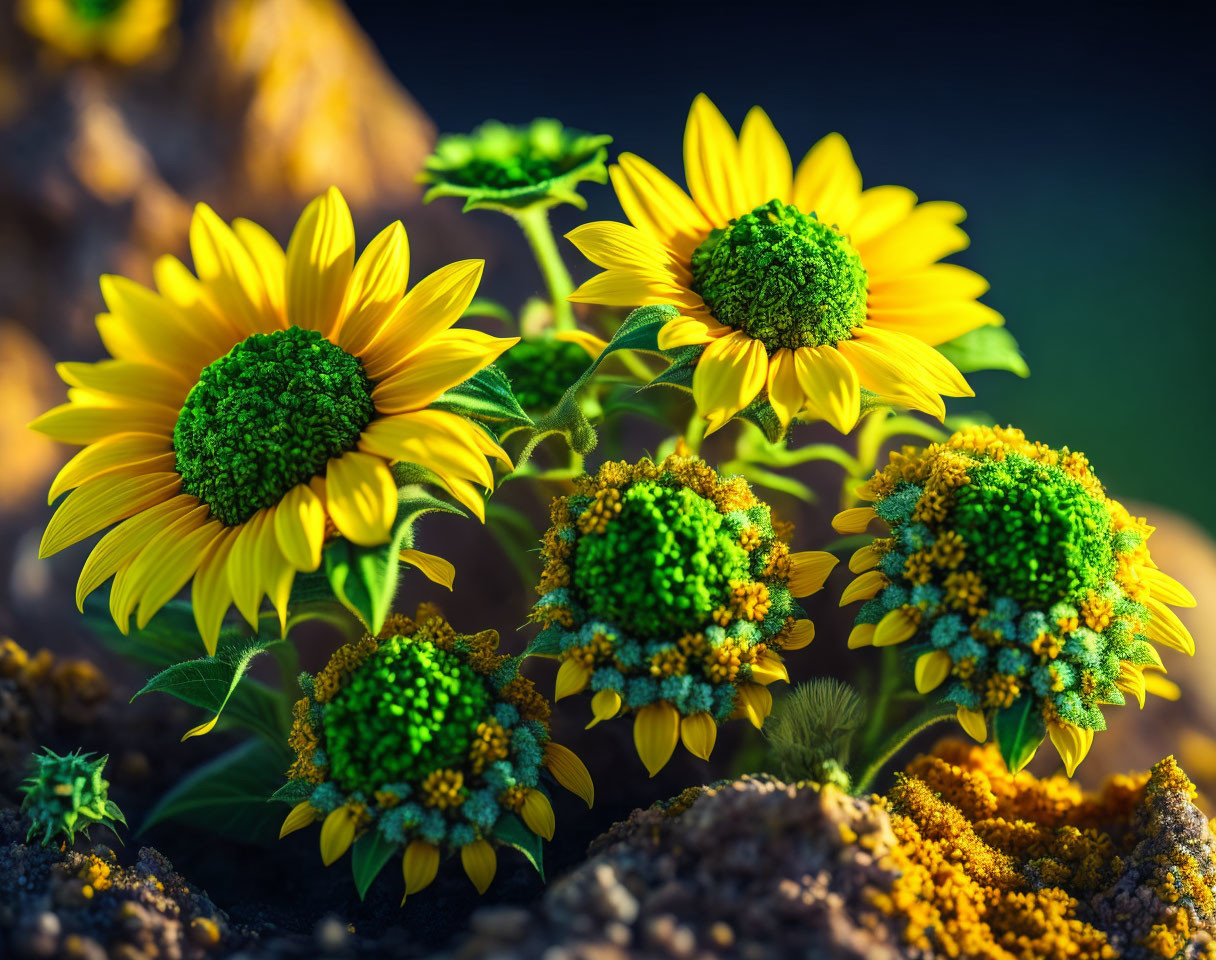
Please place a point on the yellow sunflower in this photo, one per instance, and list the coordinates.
(250, 414)
(797, 285)
(125, 31)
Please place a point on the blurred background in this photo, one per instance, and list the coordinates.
(1080, 141)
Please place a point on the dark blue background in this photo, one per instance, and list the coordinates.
(1080, 142)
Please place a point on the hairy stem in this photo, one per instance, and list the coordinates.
(535, 224)
(898, 739)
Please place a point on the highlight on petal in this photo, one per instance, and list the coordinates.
(436, 569)
(1165, 588)
(537, 814)
(362, 497)
(376, 286)
(1071, 742)
(299, 525)
(711, 163)
(731, 371)
(569, 771)
(699, 733)
(853, 520)
(588, 341)
(605, 705)
(320, 257)
(896, 626)
(1164, 627)
(932, 668)
(974, 723)
(830, 385)
(864, 558)
(301, 815)
(808, 571)
(755, 702)
(656, 730)
(103, 502)
(654, 204)
(769, 668)
(865, 587)
(765, 161)
(572, 677)
(828, 182)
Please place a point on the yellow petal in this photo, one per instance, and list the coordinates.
(1164, 627)
(537, 814)
(636, 288)
(338, 833)
(618, 246)
(228, 273)
(755, 702)
(892, 377)
(131, 579)
(320, 257)
(130, 454)
(711, 163)
(973, 722)
(769, 669)
(878, 210)
(864, 587)
(435, 303)
(935, 370)
(419, 866)
(480, 863)
(828, 182)
(442, 442)
(896, 626)
(104, 501)
(864, 558)
(800, 635)
(174, 569)
(862, 635)
(88, 423)
(941, 283)
(767, 169)
(922, 237)
(830, 384)
(1165, 588)
(656, 730)
(588, 341)
(434, 568)
(210, 591)
(572, 678)
(246, 579)
(362, 497)
(1159, 686)
(689, 332)
(932, 668)
(699, 733)
(271, 263)
(653, 203)
(605, 705)
(853, 520)
(729, 374)
(437, 366)
(146, 327)
(785, 393)
(1071, 742)
(1131, 681)
(808, 570)
(128, 378)
(935, 324)
(569, 771)
(376, 287)
(299, 525)
(302, 814)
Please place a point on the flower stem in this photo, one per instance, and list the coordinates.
(898, 739)
(535, 224)
(695, 433)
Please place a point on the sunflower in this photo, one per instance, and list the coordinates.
(1016, 585)
(668, 592)
(251, 414)
(125, 31)
(426, 741)
(796, 288)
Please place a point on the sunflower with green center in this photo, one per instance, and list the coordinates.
(1016, 582)
(795, 288)
(251, 414)
(428, 742)
(669, 593)
(125, 31)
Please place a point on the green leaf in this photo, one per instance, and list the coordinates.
(547, 643)
(487, 396)
(485, 307)
(228, 795)
(985, 348)
(171, 636)
(368, 857)
(511, 830)
(214, 683)
(364, 579)
(293, 792)
(1019, 729)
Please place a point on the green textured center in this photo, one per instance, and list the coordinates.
(409, 709)
(662, 566)
(268, 416)
(502, 157)
(96, 9)
(541, 370)
(783, 277)
(1032, 532)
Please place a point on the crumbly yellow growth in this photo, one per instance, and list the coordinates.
(68, 682)
(1000, 866)
(443, 789)
(490, 743)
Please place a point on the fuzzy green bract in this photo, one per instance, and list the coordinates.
(407, 711)
(66, 795)
(266, 416)
(783, 277)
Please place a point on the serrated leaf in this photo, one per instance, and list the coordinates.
(228, 795)
(487, 395)
(547, 643)
(368, 857)
(293, 792)
(364, 579)
(511, 830)
(1019, 729)
(171, 636)
(985, 348)
(214, 683)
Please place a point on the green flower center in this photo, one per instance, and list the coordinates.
(541, 370)
(502, 157)
(662, 566)
(783, 277)
(1032, 532)
(267, 416)
(407, 710)
(96, 10)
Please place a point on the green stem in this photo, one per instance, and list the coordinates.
(899, 739)
(695, 433)
(535, 224)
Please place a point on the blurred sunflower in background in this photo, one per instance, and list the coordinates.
(125, 31)
(251, 413)
(794, 286)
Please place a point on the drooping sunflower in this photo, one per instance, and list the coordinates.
(669, 593)
(428, 742)
(797, 288)
(1015, 581)
(250, 414)
(125, 31)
